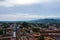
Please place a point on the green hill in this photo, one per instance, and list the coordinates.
(45, 21)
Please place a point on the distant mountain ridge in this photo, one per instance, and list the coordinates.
(35, 21)
(45, 21)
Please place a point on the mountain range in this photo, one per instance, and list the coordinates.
(45, 21)
(36, 21)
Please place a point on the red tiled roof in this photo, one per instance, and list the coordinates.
(50, 31)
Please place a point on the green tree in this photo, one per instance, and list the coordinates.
(5, 26)
(36, 29)
(25, 24)
(41, 38)
(1, 32)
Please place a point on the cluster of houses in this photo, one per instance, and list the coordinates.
(18, 32)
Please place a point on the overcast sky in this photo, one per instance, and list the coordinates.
(17, 10)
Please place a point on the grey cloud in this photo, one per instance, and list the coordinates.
(40, 9)
(21, 9)
(2, 0)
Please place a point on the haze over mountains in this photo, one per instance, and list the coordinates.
(45, 20)
(56, 20)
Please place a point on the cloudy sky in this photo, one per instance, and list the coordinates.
(17, 10)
